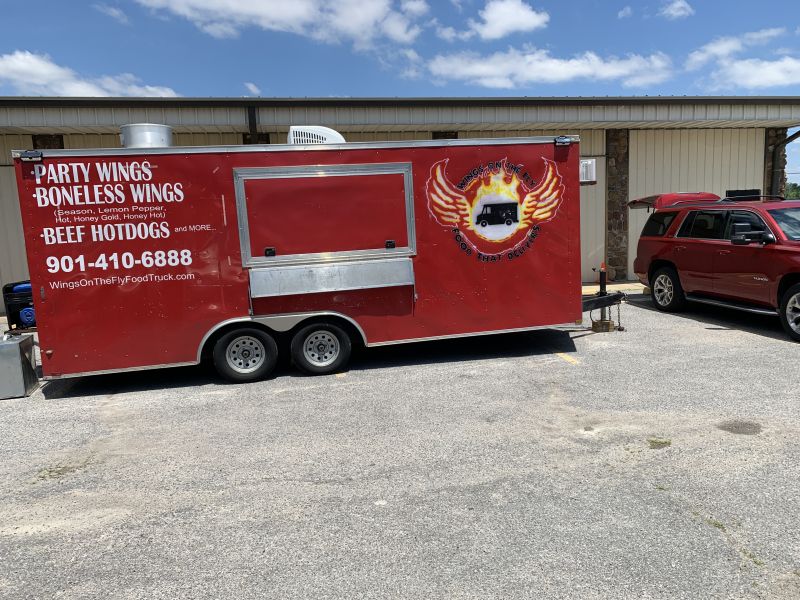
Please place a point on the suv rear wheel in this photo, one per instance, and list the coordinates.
(790, 312)
(666, 290)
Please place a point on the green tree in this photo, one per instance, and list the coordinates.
(792, 190)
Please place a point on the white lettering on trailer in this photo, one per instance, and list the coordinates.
(108, 202)
(61, 173)
(70, 234)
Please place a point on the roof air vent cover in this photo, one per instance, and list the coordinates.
(314, 134)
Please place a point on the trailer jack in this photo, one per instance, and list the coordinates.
(603, 301)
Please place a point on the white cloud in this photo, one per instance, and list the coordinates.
(725, 47)
(448, 34)
(625, 13)
(500, 18)
(413, 64)
(754, 73)
(252, 88)
(676, 9)
(37, 75)
(361, 22)
(530, 66)
(414, 8)
(112, 11)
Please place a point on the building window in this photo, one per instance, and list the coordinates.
(48, 142)
(444, 135)
(258, 138)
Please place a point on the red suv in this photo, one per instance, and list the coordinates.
(739, 253)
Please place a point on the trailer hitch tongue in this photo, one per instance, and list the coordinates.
(604, 301)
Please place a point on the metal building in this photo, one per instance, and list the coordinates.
(643, 145)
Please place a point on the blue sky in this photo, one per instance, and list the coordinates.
(401, 48)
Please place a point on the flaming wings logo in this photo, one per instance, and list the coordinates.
(494, 214)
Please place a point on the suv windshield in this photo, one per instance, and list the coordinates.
(788, 219)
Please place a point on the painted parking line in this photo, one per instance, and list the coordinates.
(568, 358)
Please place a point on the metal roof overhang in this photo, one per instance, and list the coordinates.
(105, 115)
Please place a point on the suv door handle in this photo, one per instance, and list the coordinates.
(680, 248)
(724, 252)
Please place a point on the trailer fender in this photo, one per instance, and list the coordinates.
(277, 323)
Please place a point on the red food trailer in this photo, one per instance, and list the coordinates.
(155, 257)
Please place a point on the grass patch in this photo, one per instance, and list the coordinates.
(59, 471)
(755, 560)
(659, 443)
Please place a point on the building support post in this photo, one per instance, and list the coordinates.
(617, 177)
(775, 160)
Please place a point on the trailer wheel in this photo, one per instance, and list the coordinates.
(484, 223)
(321, 348)
(508, 221)
(246, 354)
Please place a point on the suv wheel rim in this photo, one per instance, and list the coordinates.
(663, 290)
(321, 348)
(793, 313)
(245, 354)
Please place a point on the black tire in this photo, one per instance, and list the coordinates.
(331, 353)
(789, 311)
(666, 290)
(508, 221)
(484, 223)
(254, 358)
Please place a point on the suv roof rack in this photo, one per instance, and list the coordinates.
(752, 199)
(673, 199)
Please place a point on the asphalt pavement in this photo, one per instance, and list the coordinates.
(657, 462)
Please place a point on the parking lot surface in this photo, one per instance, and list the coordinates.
(658, 462)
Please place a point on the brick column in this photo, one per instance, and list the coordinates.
(617, 163)
(774, 135)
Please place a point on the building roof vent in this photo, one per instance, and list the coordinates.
(314, 134)
(145, 135)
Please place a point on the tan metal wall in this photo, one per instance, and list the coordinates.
(707, 160)
(13, 265)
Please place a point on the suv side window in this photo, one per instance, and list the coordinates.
(752, 220)
(704, 224)
(658, 223)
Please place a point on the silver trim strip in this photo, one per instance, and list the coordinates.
(287, 321)
(748, 309)
(298, 148)
(282, 322)
(473, 334)
(309, 279)
(112, 371)
(242, 175)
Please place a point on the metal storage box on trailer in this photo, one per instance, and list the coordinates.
(152, 257)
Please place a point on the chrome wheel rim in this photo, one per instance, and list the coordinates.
(793, 313)
(663, 290)
(245, 354)
(321, 348)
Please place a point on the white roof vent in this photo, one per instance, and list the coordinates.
(314, 134)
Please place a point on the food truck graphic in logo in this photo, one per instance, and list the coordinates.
(495, 211)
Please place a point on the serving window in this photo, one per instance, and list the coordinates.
(325, 213)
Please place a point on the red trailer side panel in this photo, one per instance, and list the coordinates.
(135, 257)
